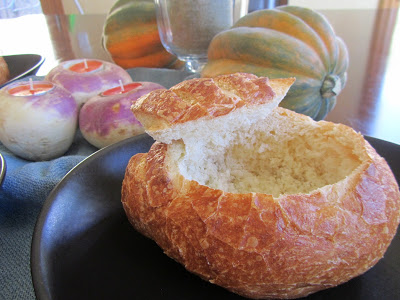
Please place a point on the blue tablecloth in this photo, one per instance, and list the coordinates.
(22, 194)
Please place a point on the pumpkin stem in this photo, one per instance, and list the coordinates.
(331, 86)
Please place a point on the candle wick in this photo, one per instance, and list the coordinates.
(121, 85)
(31, 89)
(85, 63)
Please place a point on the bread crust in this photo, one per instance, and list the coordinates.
(206, 98)
(259, 246)
(4, 71)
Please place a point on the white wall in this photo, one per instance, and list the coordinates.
(88, 6)
(103, 6)
(335, 4)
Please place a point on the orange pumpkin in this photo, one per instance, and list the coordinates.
(130, 36)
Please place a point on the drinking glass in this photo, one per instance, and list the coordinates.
(186, 27)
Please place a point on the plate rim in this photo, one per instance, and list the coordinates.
(3, 169)
(39, 62)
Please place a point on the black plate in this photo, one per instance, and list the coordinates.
(84, 248)
(22, 65)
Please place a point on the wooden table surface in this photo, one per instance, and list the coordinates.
(370, 102)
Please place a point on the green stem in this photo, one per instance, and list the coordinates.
(331, 86)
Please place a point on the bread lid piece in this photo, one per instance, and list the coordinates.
(211, 107)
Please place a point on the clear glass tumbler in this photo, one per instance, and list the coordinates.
(186, 27)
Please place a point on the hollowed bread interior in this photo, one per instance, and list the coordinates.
(287, 153)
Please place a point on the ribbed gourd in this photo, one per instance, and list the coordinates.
(287, 41)
(130, 36)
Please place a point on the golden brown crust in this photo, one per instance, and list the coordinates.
(260, 246)
(204, 97)
(255, 244)
(4, 71)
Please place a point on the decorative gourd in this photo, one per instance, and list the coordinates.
(130, 36)
(288, 41)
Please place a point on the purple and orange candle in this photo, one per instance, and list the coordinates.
(86, 78)
(39, 119)
(107, 118)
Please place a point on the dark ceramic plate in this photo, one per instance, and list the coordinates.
(22, 65)
(84, 248)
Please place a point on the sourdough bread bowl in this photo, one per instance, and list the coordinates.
(4, 71)
(258, 199)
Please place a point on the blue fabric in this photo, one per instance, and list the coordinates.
(22, 194)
